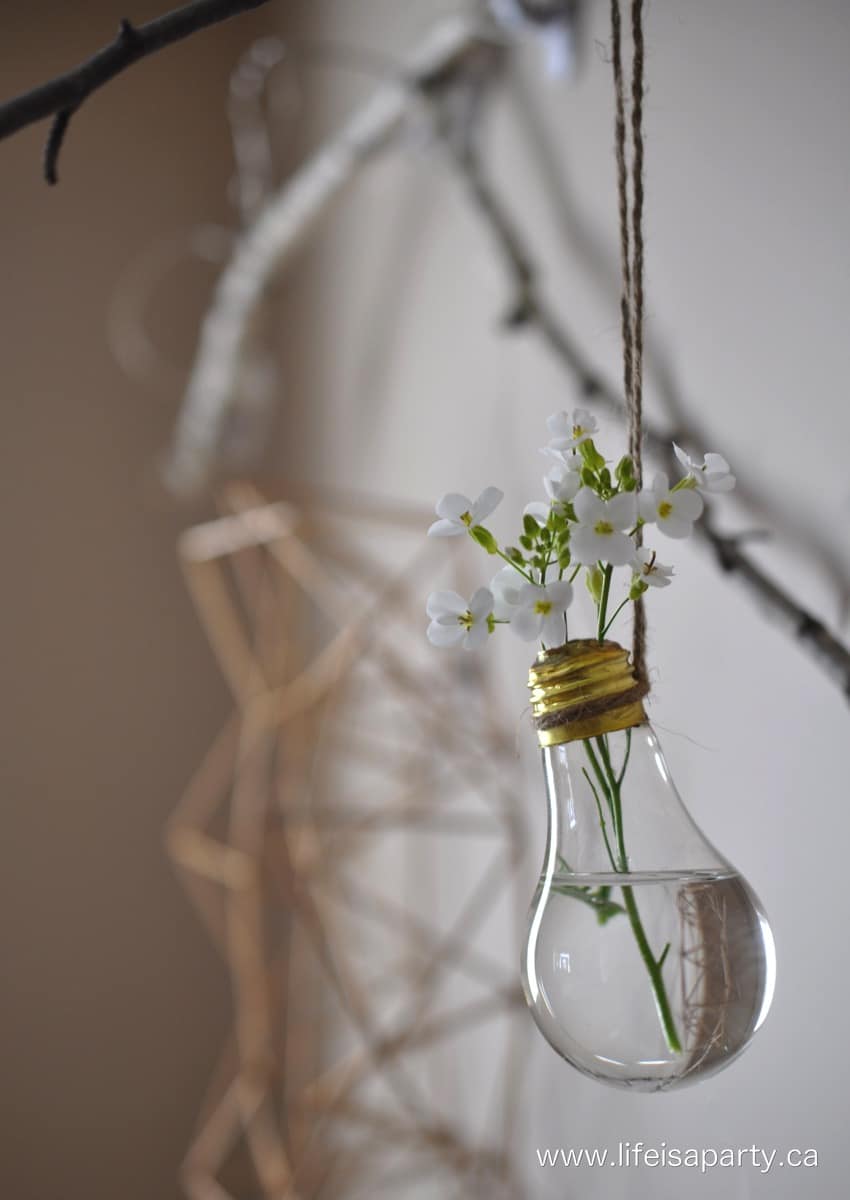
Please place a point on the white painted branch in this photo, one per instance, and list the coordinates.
(224, 378)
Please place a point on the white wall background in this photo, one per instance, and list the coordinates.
(413, 391)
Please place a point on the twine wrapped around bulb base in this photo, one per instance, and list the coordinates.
(583, 689)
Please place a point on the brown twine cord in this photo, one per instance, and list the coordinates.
(584, 688)
(583, 709)
(631, 252)
(623, 202)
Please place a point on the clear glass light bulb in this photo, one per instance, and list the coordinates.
(649, 961)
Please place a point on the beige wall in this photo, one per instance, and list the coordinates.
(112, 1002)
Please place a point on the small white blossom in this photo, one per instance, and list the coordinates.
(562, 483)
(600, 533)
(649, 570)
(539, 615)
(456, 623)
(564, 458)
(506, 586)
(567, 432)
(713, 474)
(458, 513)
(673, 512)
(538, 510)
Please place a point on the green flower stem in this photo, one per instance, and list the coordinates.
(603, 785)
(515, 566)
(602, 824)
(610, 784)
(607, 572)
(626, 757)
(616, 614)
(611, 779)
(653, 968)
(545, 569)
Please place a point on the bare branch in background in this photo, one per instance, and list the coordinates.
(586, 246)
(221, 367)
(530, 308)
(214, 389)
(61, 97)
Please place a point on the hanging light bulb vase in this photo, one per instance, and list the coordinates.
(649, 961)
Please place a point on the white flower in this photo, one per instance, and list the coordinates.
(649, 570)
(456, 623)
(538, 510)
(567, 431)
(564, 458)
(458, 513)
(673, 512)
(506, 586)
(562, 483)
(539, 615)
(713, 474)
(599, 536)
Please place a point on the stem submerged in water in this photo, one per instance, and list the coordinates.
(653, 967)
(610, 783)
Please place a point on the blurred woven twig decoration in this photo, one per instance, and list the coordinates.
(350, 890)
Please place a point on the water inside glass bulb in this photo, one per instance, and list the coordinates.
(649, 961)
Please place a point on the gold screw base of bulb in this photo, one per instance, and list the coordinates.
(583, 689)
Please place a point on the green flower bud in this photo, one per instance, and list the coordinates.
(484, 538)
(625, 470)
(594, 580)
(526, 542)
(588, 477)
(638, 588)
(530, 525)
(515, 554)
(591, 455)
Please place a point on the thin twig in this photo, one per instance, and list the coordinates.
(62, 96)
(530, 308)
(213, 393)
(589, 250)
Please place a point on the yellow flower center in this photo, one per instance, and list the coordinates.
(578, 431)
(603, 527)
(543, 607)
(664, 509)
(466, 620)
(466, 518)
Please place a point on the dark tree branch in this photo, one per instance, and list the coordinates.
(530, 308)
(62, 96)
